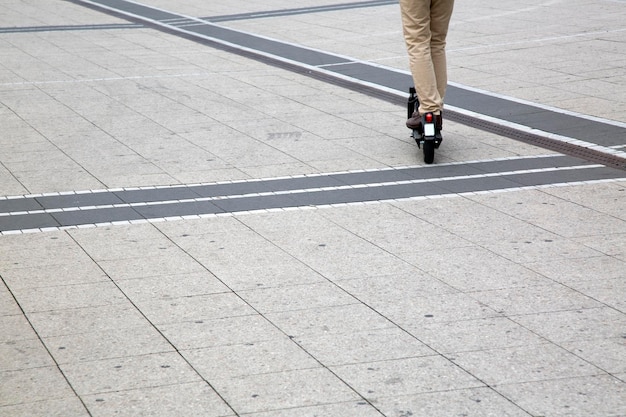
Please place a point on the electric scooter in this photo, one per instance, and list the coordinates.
(426, 135)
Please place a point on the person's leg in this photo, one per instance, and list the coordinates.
(440, 13)
(416, 24)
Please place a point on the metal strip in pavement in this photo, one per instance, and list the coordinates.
(80, 209)
(593, 137)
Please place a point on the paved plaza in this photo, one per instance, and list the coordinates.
(213, 208)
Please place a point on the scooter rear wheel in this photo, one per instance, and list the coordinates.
(429, 151)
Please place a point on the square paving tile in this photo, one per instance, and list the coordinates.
(194, 308)
(23, 354)
(253, 358)
(58, 407)
(472, 335)
(377, 380)
(276, 391)
(593, 396)
(337, 319)
(336, 349)
(195, 399)
(475, 401)
(220, 332)
(107, 344)
(528, 363)
(131, 372)
(32, 385)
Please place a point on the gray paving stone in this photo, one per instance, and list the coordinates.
(15, 328)
(266, 269)
(535, 300)
(575, 272)
(475, 268)
(105, 247)
(411, 311)
(69, 296)
(399, 287)
(606, 291)
(536, 362)
(171, 286)
(331, 263)
(175, 262)
(120, 374)
(296, 297)
(107, 344)
(476, 401)
(543, 210)
(600, 198)
(88, 319)
(534, 250)
(58, 407)
(608, 244)
(192, 399)
(565, 326)
(45, 178)
(590, 396)
(23, 354)
(194, 308)
(33, 385)
(123, 235)
(347, 409)
(607, 354)
(263, 357)
(336, 319)
(335, 349)
(72, 273)
(473, 335)
(220, 332)
(276, 391)
(50, 252)
(479, 224)
(8, 305)
(389, 227)
(377, 380)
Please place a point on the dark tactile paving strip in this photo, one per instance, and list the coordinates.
(76, 200)
(42, 212)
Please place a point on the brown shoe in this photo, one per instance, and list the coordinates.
(415, 122)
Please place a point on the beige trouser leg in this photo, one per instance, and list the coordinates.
(425, 25)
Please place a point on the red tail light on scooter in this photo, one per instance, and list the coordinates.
(429, 125)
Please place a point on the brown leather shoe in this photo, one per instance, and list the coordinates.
(415, 122)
